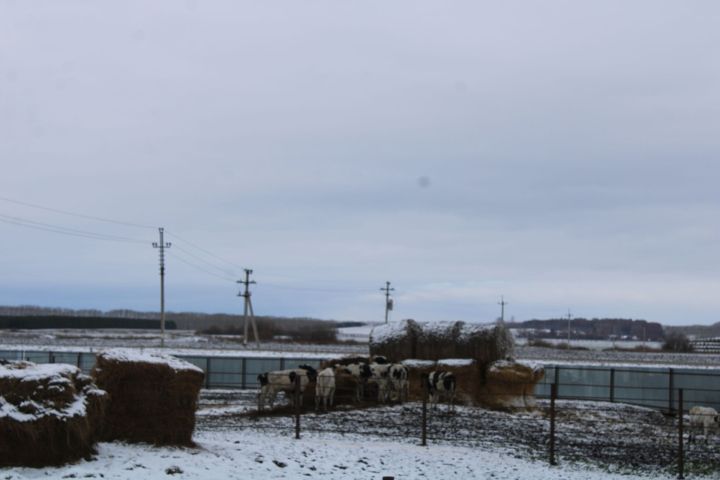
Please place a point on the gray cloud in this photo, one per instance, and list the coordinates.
(569, 151)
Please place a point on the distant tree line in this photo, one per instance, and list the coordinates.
(280, 328)
(594, 329)
(33, 322)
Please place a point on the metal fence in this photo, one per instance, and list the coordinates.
(654, 387)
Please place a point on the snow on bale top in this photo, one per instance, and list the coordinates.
(49, 413)
(532, 365)
(436, 340)
(126, 355)
(455, 362)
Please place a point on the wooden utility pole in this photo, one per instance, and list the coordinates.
(388, 301)
(162, 245)
(247, 307)
(502, 304)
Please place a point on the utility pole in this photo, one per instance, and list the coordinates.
(569, 317)
(502, 304)
(162, 245)
(247, 307)
(388, 301)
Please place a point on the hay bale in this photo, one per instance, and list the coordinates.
(510, 385)
(49, 414)
(153, 397)
(407, 339)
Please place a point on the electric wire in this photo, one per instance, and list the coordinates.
(200, 259)
(23, 222)
(198, 267)
(207, 252)
(73, 214)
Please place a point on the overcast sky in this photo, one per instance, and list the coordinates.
(563, 154)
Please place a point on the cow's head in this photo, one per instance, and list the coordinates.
(311, 372)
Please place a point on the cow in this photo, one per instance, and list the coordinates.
(706, 418)
(325, 388)
(272, 383)
(399, 385)
(360, 372)
(440, 384)
(380, 375)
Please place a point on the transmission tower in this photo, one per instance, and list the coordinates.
(248, 307)
(162, 245)
(388, 301)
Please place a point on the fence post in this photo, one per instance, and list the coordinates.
(297, 406)
(612, 385)
(681, 455)
(208, 364)
(243, 373)
(671, 386)
(553, 397)
(424, 412)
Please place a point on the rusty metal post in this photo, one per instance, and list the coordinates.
(424, 413)
(681, 454)
(297, 394)
(553, 397)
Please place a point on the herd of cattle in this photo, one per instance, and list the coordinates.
(391, 380)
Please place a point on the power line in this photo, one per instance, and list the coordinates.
(317, 289)
(208, 252)
(223, 270)
(198, 267)
(73, 214)
(48, 227)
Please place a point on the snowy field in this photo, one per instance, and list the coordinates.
(187, 342)
(595, 441)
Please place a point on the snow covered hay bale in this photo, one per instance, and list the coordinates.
(510, 385)
(49, 414)
(153, 397)
(483, 343)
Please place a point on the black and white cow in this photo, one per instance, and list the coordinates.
(399, 385)
(272, 383)
(441, 384)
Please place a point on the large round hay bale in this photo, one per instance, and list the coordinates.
(153, 397)
(407, 339)
(510, 384)
(49, 414)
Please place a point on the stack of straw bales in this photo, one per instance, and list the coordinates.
(153, 397)
(49, 414)
(483, 343)
(510, 384)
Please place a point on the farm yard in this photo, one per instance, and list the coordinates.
(595, 441)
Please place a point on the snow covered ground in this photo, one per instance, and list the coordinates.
(232, 443)
(261, 456)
